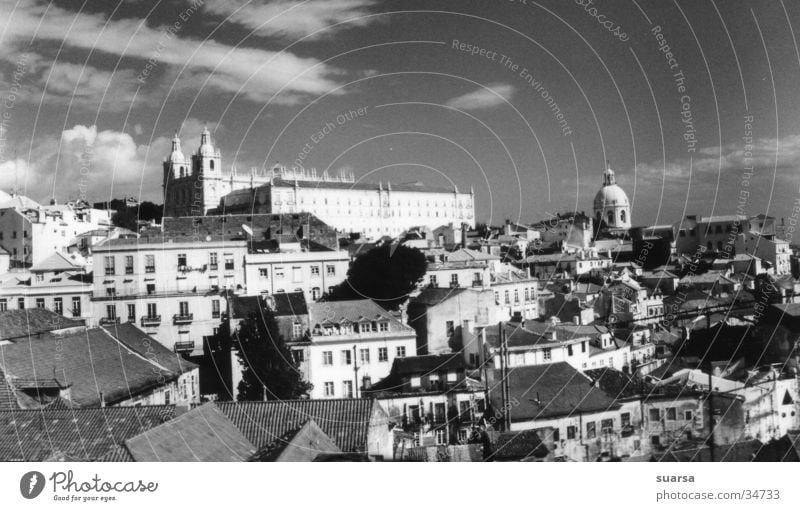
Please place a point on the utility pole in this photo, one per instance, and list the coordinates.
(355, 372)
(711, 412)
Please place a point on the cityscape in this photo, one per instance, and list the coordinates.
(391, 279)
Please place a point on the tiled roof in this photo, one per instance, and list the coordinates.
(320, 313)
(91, 361)
(21, 323)
(346, 421)
(86, 434)
(517, 445)
(424, 364)
(201, 434)
(8, 398)
(437, 295)
(469, 255)
(57, 262)
(550, 390)
(148, 347)
(304, 444)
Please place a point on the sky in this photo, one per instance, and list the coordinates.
(694, 104)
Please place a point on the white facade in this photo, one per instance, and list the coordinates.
(352, 344)
(611, 203)
(312, 272)
(30, 232)
(173, 289)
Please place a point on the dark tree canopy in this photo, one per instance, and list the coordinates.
(267, 361)
(128, 216)
(385, 274)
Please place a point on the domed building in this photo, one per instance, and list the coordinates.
(611, 203)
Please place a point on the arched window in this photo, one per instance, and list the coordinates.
(622, 216)
(212, 164)
(610, 218)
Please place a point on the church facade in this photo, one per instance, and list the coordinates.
(200, 187)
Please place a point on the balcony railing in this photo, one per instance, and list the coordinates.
(184, 346)
(149, 269)
(109, 321)
(477, 283)
(151, 320)
(180, 319)
(213, 267)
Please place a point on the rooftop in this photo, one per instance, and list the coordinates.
(23, 323)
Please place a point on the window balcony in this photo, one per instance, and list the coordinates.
(213, 267)
(182, 319)
(109, 321)
(149, 269)
(477, 283)
(184, 346)
(151, 320)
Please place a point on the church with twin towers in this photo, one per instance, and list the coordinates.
(199, 186)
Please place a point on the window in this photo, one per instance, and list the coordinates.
(315, 271)
(327, 358)
(278, 272)
(315, 293)
(111, 311)
(330, 270)
(527, 294)
(149, 263)
(183, 308)
(347, 388)
(109, 265)
(383, 354)
(569, 350)
(548, 354)
(212, 260)
(556, 435)
(263, 273)
(228, 261)
(329, 389)
(132, 312)
(401, 351)
(516, 296)
(152, 310)
(383, 326)
(454, 280)
(625, 419)
(76, 306)
(151, 289)
(40, 277)
(129, 265)
(506, 298)
(416, 382)
(450, 327)
(20, 303)
(607, 426)
(591, 429)
(40, 303)
(215, 308)
(655, 414)
(572, 432)
(364, 355)
(297, 330)
(671, 414)
(3, 304)
(433, 282)
(688, 415)
(583, 346)
(298, 356)
(347, 357)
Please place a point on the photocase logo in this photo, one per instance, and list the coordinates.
(31, 484)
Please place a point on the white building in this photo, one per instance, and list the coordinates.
(30, 232)
(171, 285)
(294, 266)
(351, 345)
(768, 248)
(611, 203)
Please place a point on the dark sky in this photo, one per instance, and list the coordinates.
(100, 87)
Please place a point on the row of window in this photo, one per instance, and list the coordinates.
(347, 388)
(152, 311)
(346, 356)
(289, 197)
(58, 305)
(14, 235)
(528, 295)
(110, 263)
(279, 272)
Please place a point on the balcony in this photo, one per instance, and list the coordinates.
(149, 269)
(213, 266)
(109, 321)
(182, 319)
(184, 346)
(151, 320)
(477, 283)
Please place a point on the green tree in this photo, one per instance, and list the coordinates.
(269, 371)
(386, 275)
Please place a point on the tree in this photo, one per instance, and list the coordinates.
(386, 275)
(268, 363)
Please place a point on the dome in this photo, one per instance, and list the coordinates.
(611, 195)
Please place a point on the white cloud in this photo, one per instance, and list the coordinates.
(256, 73)
(493, 95)
(293, 19)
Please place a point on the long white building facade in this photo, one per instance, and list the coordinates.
(199, 186)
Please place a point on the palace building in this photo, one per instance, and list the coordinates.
(201, 187)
